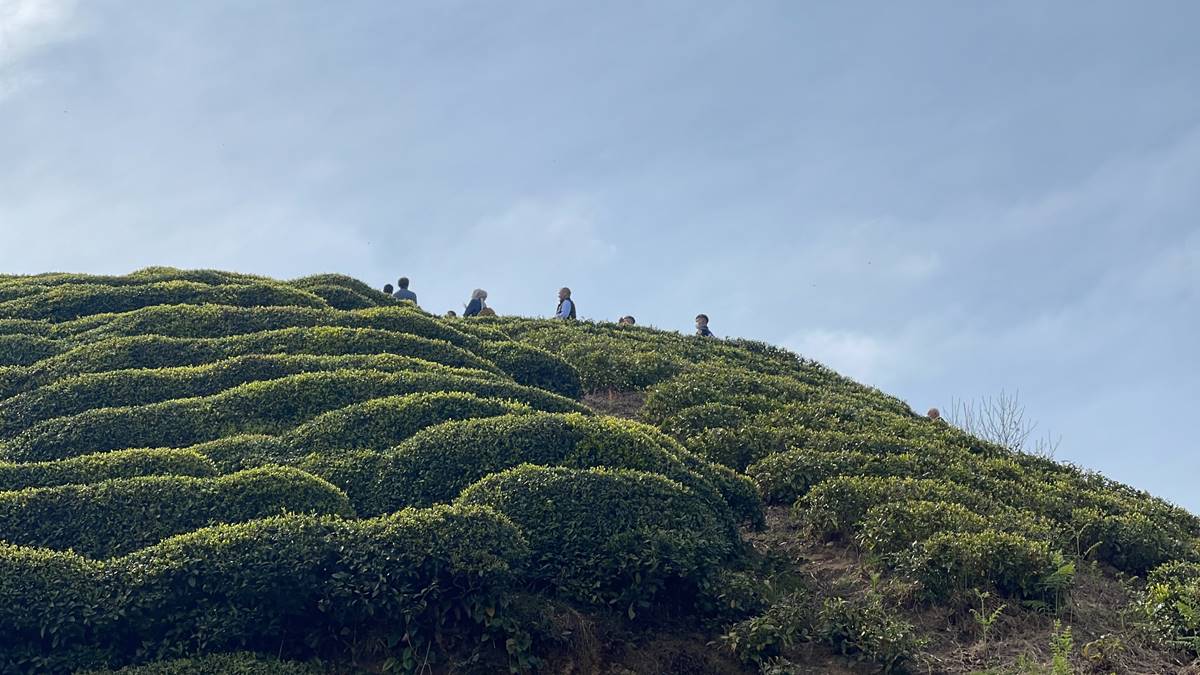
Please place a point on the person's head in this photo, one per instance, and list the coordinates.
(934, 414)
(479, 294)
(451, 314)
(564, 293)
(387, 288)
(701, 320)
(402, 282)
(626, 321)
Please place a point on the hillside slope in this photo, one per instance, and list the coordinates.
(204, 471)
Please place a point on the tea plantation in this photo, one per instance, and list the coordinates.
(209, 472)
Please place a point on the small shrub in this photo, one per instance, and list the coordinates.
(786, 476)
(698, 418)
(866, 629)
(1131, 542)
(894, 527)
(534, 367)
(949, 564)
(834, 508)
(1171, 603)
(787, 622)
(240, 663)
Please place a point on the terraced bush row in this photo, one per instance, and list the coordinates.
(434, 581)
(141, 386)
(24, 350)
(438, 463)
(70, 301)
(271, 407)
(143, 276)
(152, 351)
(209, 321)
(115, 517)
(104, 466)
(608, 536)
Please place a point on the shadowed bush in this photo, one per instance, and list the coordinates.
(104, 466)
(114, 517)
(653, 539)
(240, 663)
(271, 407)
(533, 367)
(23, 350)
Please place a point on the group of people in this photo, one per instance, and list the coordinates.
(565, 310)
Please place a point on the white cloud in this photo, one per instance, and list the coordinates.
(27, 26)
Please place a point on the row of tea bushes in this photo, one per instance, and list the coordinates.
(71, 301)
(147, 275)
(114, 517)
(437, 464)
(434, 580)
(271, 406)
(239, 663)
(141, 386)
(104, 466)
(153, 351)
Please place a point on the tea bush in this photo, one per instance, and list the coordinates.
(384, 422)
(1171, 603)
(894, 527)
(533, 367)
(24, 350)
(140, 386)
(1131, 542)
(239, 663)
(867, 629)
(696, 419)
(438, 463)
(653, 540)
(835, 507)
(340, 298)
(271, 406)
(244, 451)
(113, 517)
(70, 301)
(785, 476)
(950, 563)
(104, 466)
(25, 327)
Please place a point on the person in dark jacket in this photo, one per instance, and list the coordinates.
(403, 293)
(702, 326)
(478, 298)
(566, 306)
(387, 288)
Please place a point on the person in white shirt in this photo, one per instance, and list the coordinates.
(566, 306)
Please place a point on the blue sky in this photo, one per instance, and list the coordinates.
(940, 199)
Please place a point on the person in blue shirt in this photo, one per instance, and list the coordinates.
(477, 303)
(566, 306)
(403, 293)
(702, 326)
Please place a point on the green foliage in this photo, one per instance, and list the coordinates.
(381, 423)
(948, 565)
(610, 536)
(439, 462)
(104, 466)
(239, 663)
(788, 621)
(835, 507)
(140, 386)
(868, 630)
(114, 517)
(1131, 542)
(893, 527)
(271, 407)
(23, 350)
(339, 297)
(533, 367)
(696, 419)
(783, 477)
(1171, 602)
(70, 301)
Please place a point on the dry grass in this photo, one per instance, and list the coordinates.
(625, 404)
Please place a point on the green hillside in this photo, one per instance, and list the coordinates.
(209, 472)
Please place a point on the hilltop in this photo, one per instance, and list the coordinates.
(211, 472)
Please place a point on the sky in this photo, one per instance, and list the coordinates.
(941, 199)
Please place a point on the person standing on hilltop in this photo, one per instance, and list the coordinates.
(478, 296)
(566, 306)
(403, 293)
(702, 326)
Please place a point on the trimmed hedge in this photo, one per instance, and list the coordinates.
(141, 386)
(1131, 542)
(432, 580)
(534, 367)
(341, 298)
(694, 420)
(24, 350)
(115, 517)
(243, 451)
(271, 407)
(210, 321)
(950, 564)
(343, 281)
(70, 301)
(894, 527)
(834, 508)
(25, 327)
(438, 463)
(782, 478)
(609, 536)
(381, 423)
(105, 466)
(153, 351)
